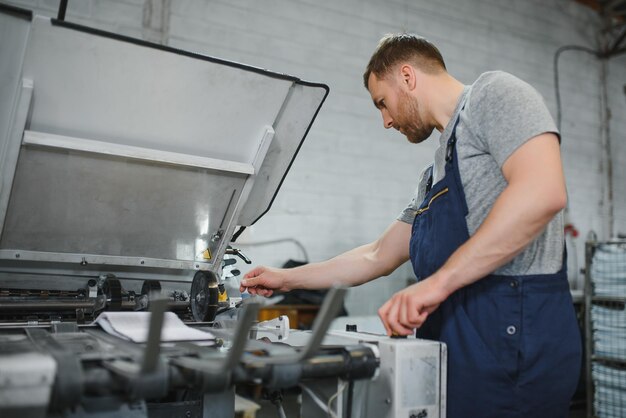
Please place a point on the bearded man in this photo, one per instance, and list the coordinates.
(484, 233)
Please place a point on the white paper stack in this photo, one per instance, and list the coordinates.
(610, 386)
(608, 270)
(609, 330)
(134, 326)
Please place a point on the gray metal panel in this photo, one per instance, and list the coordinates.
(13, 38)
(99, 88)
(72, 202)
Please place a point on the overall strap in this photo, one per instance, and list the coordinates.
(429, 183)
(452, 139)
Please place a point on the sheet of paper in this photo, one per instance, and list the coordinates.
(134, 326)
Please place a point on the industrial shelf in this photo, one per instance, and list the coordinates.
(605, 328)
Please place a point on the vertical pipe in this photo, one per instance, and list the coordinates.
(62, 9)
(607, 162)
(589, 248)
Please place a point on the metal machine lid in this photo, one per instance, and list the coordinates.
(126, 153)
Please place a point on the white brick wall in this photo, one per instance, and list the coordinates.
(352, 177)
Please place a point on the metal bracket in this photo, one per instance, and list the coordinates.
(138, 153)
(330, 307)
(266, 141)
(277, 328)
(9, 156)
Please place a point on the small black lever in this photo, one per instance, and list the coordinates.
(235, 251)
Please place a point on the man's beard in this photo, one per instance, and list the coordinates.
(409, 120)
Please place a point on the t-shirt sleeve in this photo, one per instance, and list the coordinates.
(505, 113)
(408, 214)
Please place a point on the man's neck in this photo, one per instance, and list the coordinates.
(444, 100)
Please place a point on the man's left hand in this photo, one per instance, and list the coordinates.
(409, 308)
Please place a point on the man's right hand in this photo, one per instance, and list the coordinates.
(264, 281)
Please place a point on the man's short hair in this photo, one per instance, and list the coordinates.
(405, 47)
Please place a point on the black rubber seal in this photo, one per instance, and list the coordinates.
(141, 42)
(16, 11)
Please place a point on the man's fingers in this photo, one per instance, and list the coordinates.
(408, 309)
(257, 271)
(397, 315)
(416, 314)
(392, 316)
(382, 314)
(431, 309)
(252, 281)
(263, 291)
(421, 318)
(412, 316)
(403, 314)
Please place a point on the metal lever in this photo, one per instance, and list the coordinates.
(235, 251)
(286, 369)
(211, 371)
(150, 380)
(330, 308)
(158, 306)
(246, 319)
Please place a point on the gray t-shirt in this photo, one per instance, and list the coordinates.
(501, 113)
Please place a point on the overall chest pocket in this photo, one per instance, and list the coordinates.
(424, 238)
(439, 229)
(431, 202)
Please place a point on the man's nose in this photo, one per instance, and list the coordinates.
(387, 119)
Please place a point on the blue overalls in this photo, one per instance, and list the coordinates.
(514, 347)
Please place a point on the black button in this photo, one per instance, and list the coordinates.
(514, 283)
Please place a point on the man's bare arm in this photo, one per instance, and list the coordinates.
(354, 267)
(535, 194)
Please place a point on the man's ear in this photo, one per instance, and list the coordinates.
(408, 76)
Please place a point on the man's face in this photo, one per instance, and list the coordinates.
(398, 108)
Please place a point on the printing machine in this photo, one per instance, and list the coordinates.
(128, 170)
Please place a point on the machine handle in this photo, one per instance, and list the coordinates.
(235, 251)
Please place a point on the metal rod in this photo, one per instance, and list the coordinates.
(333, 302)
(246, 319)
(607, 156)
(589, 248)
(350, 399)
(54, 305)
(44, 139)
